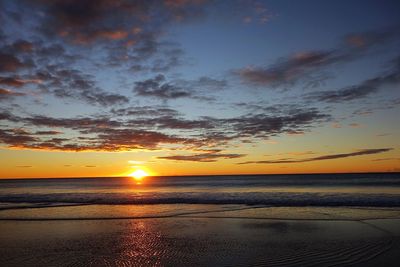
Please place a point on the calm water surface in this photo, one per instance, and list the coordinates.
(382, 189)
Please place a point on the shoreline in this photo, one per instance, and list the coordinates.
(200, 241)
(78, 212)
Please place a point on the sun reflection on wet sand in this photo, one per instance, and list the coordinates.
(237, 237)
(142, 245)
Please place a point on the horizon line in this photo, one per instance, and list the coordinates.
(197, 175)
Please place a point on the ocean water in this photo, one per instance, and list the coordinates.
(330, 190)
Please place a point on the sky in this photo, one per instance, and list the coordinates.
(196, 87)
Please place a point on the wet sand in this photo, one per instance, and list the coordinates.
(199, 235)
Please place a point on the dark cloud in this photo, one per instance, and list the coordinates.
(7, 94)
(384, 105)
(157, 87)
(48, 132)
(125, 30)
(307, 66)
(173, 122)
(127, 139)
(326, 157)
(384, 159)
(358, 153)
(361, 90)
(111, 140)
(150, 129)
(128, 21)
(71, 83)
(75, 123)
(9, 63)
(22, 46)
(208, 82)
(16, 81)
(146, 111)
(365, 40)
(288, 70)
(204, 157)
(347, 94)
(14, 138)
(7, 116)
(94, 133)
(204, 82)
(263, 125)
(253, 125)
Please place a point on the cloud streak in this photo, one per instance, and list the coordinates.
(204, 157)
(361, 90)
(326, 157)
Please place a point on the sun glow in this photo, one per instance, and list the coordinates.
(138, 175)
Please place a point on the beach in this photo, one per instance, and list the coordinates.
(262, 220)
(200, 235)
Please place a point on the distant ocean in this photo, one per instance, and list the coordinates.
(373, 190)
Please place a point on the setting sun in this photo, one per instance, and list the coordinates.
(138, 175)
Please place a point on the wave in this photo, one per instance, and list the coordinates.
(248, 198)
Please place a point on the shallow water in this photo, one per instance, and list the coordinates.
(382, 189)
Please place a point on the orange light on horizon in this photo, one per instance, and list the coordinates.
(139, 175)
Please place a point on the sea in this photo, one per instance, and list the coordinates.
(327, 190)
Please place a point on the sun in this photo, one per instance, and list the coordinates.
(138, 175)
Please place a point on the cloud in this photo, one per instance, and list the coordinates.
(125, 31)
(105, 134)
(110, 141)
(288, 70)
(93, 134)
(6, 94)
(342, 95)
(22, 46)
(264, 125)
(361, 90)
(307, 65)
(9, 63)
(204, 157)
(16, 81)
(370, 38)
(157, 87)
(172, 122)
(7, 116)
(203, 82)
(326, 157)
(86, 21)
(48, 132)
(128, 129)
(384, 159)
(127, 139)
(71, 83)
(14, 138)
(145, 111)
(72, 123)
